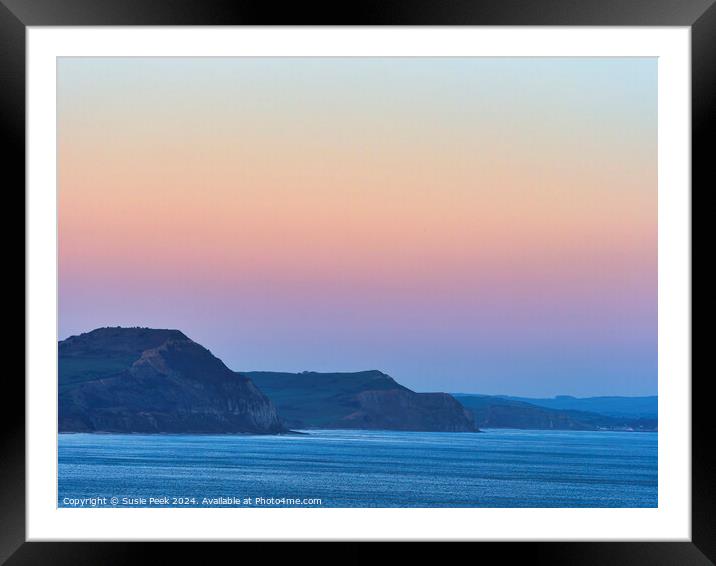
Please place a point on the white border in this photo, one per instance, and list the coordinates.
(671, 521)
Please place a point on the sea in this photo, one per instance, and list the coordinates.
(358, 468)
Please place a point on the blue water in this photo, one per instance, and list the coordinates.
(342, 468)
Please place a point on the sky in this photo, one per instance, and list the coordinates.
(483, 225)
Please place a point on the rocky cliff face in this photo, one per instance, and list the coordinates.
(145, 380)
(405, 410)
(360, 400)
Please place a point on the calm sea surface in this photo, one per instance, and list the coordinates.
(496, 468)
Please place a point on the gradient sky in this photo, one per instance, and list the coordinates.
(463, 224)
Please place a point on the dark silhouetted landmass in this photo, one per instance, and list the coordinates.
(146, 380)
(159, 381)
(360, 400)
(502, 412)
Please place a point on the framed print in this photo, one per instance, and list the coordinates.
(421, 275)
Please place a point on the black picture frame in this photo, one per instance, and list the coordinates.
(16, 15)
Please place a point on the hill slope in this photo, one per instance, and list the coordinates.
(360, 400)
(501, 412)
(620, 407)
(147, 380)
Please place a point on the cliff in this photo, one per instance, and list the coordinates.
(359, 400)
(147, 380)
